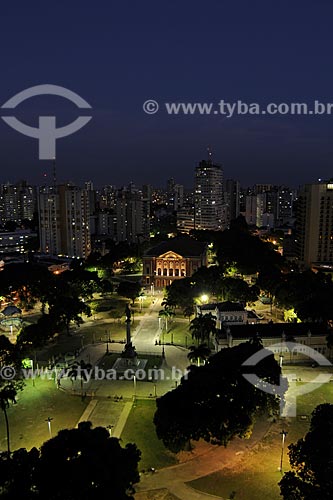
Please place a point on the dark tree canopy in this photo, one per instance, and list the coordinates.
(250, 254)
(129, 289)
(215, 402)
(77, 464)
(311, 460)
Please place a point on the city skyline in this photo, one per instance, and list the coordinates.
(119, 56)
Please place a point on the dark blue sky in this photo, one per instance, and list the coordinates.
(117, 54)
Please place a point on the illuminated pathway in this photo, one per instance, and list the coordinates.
(174, 478)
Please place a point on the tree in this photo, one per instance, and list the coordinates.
(311, 460)
(129, 289)
(167, 314)
(29, 282)
(236, 289)
(236, 246)
(179, 293)
(37, 334)
(188, 310)
(199, 353)
(10, 380)
(67, 309)
(81, 370)
(202, 327)
(77, 464)
(215, 402)
(208, 280)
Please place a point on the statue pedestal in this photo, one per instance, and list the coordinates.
(129, 353)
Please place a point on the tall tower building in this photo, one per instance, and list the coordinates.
(129, 210)
(64, 221)
(314, 223)
(49, 221)
(232, 198)
(208, 196)
(146, 209)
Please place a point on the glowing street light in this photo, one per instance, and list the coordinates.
(134, 387)
(204, 298)
(48, 420)
(283, 433)
(109, 428)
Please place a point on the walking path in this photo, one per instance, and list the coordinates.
(174, 478)
(87, 412)
(122, 420)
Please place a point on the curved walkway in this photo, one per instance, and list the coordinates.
(175, 478)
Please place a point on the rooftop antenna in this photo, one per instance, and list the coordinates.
(210, 154)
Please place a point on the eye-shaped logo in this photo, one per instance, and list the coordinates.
(47, 133)
(289, 406)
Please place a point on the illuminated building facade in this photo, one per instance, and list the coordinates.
(171, 260)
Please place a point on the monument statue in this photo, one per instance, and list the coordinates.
(129, 351)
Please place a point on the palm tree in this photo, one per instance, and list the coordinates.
(7, 395)
(9, 358)
(166, 313)
(202, 326)
(201, 352)
(188, 311)
(81, 370)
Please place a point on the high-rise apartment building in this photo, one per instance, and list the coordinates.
(17, 202)
(129, 211)
(285, 203)
(209, 196)
(258, 210)
(232, 198)
(314, 224)
(64, 221)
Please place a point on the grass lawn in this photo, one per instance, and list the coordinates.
(140, 429)
(27, 423)
(179, 333)
(257, 475)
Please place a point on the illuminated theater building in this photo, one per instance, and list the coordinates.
(173, 259)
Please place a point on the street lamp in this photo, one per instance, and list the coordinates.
(283, 433)
(204, 298)
(141, 297)
(109, 427)
(134, 387)
(48, 420)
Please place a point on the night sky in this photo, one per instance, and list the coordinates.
(118, 54)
